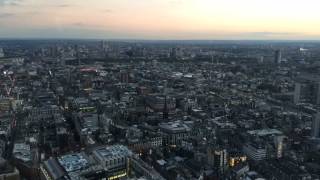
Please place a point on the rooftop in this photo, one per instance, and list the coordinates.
(22, 151)
(73, 162)
(110, 152)
(265, 132)
(176, 126)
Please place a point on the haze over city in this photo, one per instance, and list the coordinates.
(159, 90)
(161, 19)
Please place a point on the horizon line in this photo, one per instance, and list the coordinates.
(142, 39)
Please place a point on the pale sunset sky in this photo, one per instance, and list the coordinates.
(161, 19)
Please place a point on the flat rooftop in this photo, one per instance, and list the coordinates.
(111, 152)
(265, 132)
(73, 162)
(22, 151)
(176, 126)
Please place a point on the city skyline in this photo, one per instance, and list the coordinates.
(161, 19)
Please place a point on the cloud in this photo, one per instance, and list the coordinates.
(10, 2)
(78, 24)
(17, 15)
(64, 5)
(87, 25)
(268, 34)
(107, 11)
(52, 32)
(5, 15)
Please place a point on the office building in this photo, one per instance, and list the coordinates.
(142, 168)
(114, 159)
(175, 132)
(8, 172)
(278, 56)
(307, 89)
(315, 129)
(271, 139)
(235, 158)
(255, 151)
(1, 53)
(297, 92)
(217, 157)
(71, 167)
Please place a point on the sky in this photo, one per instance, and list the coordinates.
(161, 19)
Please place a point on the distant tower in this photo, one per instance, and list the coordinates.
(104, 46)
(278, 140)
(211, 69)
(77, 53)
(1, 53)
(307, 89)
(278, 56)
(217, 157)
(165, 109)
(173, 53)
(297, 93)
(124, 77)
(317, 85)
(260, 59)
(315, 129)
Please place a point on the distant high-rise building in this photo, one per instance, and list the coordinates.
(255, 151)
(173, 53)
(1, 53)
(307, 90)
(124, 77)
(165, 109)
(176, 53)
(217, 157)
(297, 92)
(316, 126)
(278, 140)
(53, 51)
(260, 59)
(278, 56)
(104, 46)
